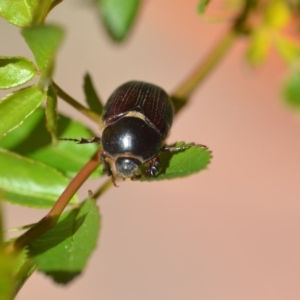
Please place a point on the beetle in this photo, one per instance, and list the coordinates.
(135, 123)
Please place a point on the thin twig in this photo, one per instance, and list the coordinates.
(53, 215)
(182, 94)
(104, 187)
(23, 274)
(70, 100)
(184, 91)
(1, 226)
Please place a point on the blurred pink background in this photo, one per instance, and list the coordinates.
(228, 233)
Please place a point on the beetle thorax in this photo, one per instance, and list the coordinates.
(129, 142)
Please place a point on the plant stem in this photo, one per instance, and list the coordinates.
(1, 227)
(70, 100)
(24, 273)
(53, 215)
(183, 92)
(74, 185)
(181, 95)
(103, 188)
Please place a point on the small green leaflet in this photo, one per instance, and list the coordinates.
(91, 96)
(202, 5)
(63, 251)
(27, 182)
(51, 113)
(183, 163)
(15, 71)
(291, 91)
(16, 107)
(44, 41)
(118, 16)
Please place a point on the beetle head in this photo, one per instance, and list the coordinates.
(126, 167)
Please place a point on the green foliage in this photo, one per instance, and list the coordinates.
(274, 17)
(277, 14)
(191, 159)
(288, 49)
(202, 5)
(91, 96)
(27, 182)
(31, 139)
(118, 16)
(17, 106)
(62, 252)
(15, 71)
(44, 41)
(51, 113)
(259, 46)
(291, 90)
(23, 13)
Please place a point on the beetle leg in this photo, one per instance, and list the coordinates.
(113, 179)
(107, 170)
(83, 140)
(105, 164)
(181, 148)
(154, 166)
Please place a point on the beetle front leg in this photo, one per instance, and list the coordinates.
(95, 139)
(107, 169)
(154, 166)
(181, 148)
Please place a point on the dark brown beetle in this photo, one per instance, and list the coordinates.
(136, 120)
(135, 123)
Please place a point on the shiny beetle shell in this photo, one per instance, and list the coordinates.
(136, 120)
(145, 98)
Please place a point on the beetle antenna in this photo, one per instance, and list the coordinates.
(95, 139)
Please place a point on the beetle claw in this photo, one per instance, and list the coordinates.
(154, 167)
(113, 179)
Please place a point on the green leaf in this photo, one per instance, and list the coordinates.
(27, 182)
(288, 49)
(91, 96)
(18, 12)
(291, 90)
(277, 14)
(51, 113)
(16, 107)
(44, 41)
(62, 252)
(32, 139)
(118, 16)
(25, 13)
(259, 46)
(202, 5)
(15, 71)
(182, 163)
